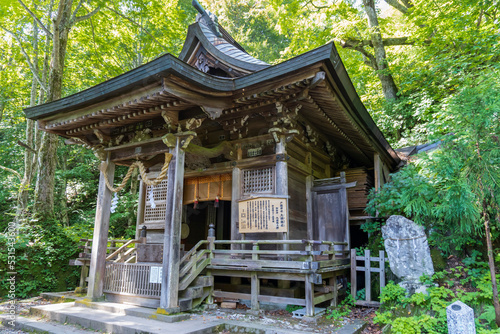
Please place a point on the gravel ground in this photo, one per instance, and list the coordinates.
(279, 319)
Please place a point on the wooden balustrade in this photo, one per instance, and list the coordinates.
(308, 261)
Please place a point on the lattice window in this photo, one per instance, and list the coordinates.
(258, 181)
(156, 215)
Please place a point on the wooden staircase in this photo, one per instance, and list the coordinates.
(195, 293)
(194, 287)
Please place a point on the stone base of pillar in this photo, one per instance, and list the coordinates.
(168, 311)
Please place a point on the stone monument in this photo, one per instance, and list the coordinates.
(460, 319)
(408, 252)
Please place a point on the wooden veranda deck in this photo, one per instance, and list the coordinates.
(312, 262)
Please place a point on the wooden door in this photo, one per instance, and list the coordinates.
(330, 210)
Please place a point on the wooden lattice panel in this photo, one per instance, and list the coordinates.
(130, 279)
(156, 215)
(258, 181)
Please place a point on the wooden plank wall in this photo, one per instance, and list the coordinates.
(297, 205)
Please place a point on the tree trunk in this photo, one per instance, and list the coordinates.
(22, 198)
(384, 74)
(63, 212)
(47, 157)
(491, 263)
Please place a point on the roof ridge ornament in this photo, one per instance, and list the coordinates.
(209, 18)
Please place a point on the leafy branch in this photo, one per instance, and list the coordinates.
(36, 19)
(32, 67)
(138, 25)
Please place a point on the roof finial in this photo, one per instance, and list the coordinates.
(211, 20)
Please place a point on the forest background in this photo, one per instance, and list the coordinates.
(426, 70)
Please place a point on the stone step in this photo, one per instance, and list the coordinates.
(41, 326)
(136, 311)
(110, 322)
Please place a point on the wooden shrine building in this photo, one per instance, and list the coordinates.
(248, 173)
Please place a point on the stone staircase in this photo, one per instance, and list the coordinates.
(87, 317)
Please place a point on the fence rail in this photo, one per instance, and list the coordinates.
(131, 279)
(367, 269)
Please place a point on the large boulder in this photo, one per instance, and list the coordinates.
(408, 251)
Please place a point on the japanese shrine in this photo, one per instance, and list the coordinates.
(252, 176)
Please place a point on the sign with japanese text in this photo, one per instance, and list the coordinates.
(263, 214)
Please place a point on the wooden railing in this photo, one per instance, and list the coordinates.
(131, 279)
(125, 253)
(306, 260)
(301, 259)
(120, 253)
(193, 263)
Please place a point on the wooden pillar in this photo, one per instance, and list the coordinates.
(309, 296)
(140, 208)
(344, 199)
(101, 229)
(172, 237)
(255, 283)
(282, 176)
(377, 168)
(309, 207)
(333, 283)
(235, 197)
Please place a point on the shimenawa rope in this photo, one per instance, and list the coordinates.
(142, 171)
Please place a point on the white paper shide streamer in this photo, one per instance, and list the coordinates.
(114, 203)
(152, 198)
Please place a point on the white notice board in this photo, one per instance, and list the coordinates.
(155, 274)
(263, 214)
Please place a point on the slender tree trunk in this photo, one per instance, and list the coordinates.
(63, 198)
(22, 198)
(491, 263)
(384, 74)
(44, 193)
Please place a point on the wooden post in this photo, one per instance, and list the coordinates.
(309, 206)
(353, 274)
(140, 208)
(235, 197)
(282, 177)
(172, 237)
(377, 169)
(368, 287)
(381, 255)
(211, 248)
(255, 283)
(333, 283)
(309, 296)
(101, 229)
(343, 199)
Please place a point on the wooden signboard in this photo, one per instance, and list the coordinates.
(263, 214)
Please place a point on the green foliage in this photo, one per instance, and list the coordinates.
(393, 296)
(290, 308)
(449, 189)
(422, 313)
(42, 257)
(337, 313)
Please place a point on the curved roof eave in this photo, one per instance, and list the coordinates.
(197, 34)
(153, 72)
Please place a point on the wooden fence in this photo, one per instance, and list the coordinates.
(367, 269)
(131, 279)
